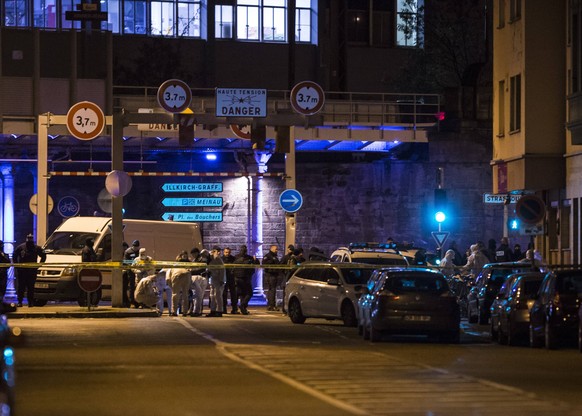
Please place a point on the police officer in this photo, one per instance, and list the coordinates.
(128, 276)
(243, 278)
(273, 278)
(27, 252)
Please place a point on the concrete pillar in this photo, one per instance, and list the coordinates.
(7, 226)
(261, 159)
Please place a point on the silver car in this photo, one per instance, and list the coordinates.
(326, 290)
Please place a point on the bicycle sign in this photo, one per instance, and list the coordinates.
(68, 206)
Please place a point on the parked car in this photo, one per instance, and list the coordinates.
(365, 299)
(326, 290)
(510, 309)
(410, 301)
(486, 287)
(7, 369)
(369, 253)
(555, 313)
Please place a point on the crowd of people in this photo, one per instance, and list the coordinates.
(478, 255)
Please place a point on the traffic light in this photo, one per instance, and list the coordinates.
(258, 137)
(513, 224)
(440, 205)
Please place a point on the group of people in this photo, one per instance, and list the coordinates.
(184, 287)
(477, 256)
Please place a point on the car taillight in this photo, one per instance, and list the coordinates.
(556, 300)
(389, 295)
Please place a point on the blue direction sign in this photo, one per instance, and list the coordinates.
(290, 200)
(192, 187)
(193, 216)
(192, 202)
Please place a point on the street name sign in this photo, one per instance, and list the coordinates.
(192, 202)
(500, 198)
(193, 216)
(241, 102)
(192, 187)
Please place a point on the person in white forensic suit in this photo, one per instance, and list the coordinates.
(180, 281)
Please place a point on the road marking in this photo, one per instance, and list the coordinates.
(375, 383)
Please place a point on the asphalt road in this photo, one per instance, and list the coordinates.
(262, 364)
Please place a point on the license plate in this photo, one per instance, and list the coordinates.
(41, 286)
(418, 318)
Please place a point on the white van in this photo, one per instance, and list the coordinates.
(163, 240)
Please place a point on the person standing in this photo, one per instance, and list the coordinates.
(517, 253)
(503, 252)
(230, 286)
(243, 278)
(88, 253)
(129, 277)
(3, 271)
(448, 263)
(180, 280)
(272, 277)
(199, 281)
(27, 252)
(217, 281)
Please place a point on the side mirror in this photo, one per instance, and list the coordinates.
(100, 254)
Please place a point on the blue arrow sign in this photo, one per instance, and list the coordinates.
(192, 187)
(192, 202)
(193, 216)
(290, 200)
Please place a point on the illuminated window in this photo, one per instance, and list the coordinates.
(189, 18)
(274, 20)
(223, 22)
(162, 18)
(134, 17)
(515, 107)
(409, 23)
(45, 13)
(247, 24)
(112, 9)
(16, 13)
(69, 5)
(303, 21)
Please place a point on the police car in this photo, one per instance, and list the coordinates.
(370, 253)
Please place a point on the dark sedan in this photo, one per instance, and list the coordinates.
(554, 314)
(411, 302)
(510, 309)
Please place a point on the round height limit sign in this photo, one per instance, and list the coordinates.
(85, 120)
(174, 96)
(307, 98)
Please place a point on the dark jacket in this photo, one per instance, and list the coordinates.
(271, 258)
(245, 273)
(503, 253)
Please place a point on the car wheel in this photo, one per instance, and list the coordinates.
(295, 313)
(494, 333)
(534, 340)
(512, 339)
(40, 302)
(366, 333)
(501, 337)
(483, 318)
(472, 318)
(375, 335)
(349, 315)
(550, 335)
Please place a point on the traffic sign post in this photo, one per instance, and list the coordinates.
(174, 96)
(89, 280)
(242, 131)
(307, 98)
(85, 120)
(531, 209)
(290, 200)
(68, 206)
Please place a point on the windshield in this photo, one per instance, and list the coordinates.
(68, 242)
(416, 282)
(384, 261)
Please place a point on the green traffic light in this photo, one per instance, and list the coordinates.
(440, 217)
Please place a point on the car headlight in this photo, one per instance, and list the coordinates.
(69, 271)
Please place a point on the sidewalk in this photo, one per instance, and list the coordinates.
(73, 310)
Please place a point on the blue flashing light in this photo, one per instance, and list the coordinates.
(211, 156)
(440, 217)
